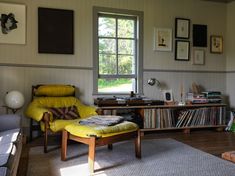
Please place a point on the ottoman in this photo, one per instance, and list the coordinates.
(95, 136)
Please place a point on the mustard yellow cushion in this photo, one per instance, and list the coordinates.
(57, 125)
(100, 131)
(55, 90)
(40, 105)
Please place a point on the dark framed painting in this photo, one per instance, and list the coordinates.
(182, 28)
(199, 35)
(182, 50)
(55, 31)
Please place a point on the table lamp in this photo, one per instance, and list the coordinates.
(14, 100)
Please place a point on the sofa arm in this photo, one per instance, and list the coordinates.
(9, 121)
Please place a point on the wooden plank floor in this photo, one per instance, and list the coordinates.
(210, 141)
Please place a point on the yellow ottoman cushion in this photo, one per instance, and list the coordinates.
(86, 131)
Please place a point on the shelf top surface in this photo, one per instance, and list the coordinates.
(161, 106)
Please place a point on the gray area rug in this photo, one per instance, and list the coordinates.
(160, 157)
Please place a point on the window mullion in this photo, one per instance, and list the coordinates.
(117, 46)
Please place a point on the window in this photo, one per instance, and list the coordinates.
(117, 51)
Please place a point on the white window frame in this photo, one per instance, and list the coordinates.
(138, 75)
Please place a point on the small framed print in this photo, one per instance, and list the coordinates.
(163, 39)
(182, 28)
(198, 57)
(167, 96)
(182, 50)
(216, 44)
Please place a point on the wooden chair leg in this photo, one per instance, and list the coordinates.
(64, 145)
(91, 155)
(110, 146)
(45, 139)
(138, 145)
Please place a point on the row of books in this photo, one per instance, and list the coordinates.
(202, 117)
(205, 97)
(169, 118)
(159, 118)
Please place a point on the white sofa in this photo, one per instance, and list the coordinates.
(10, 144)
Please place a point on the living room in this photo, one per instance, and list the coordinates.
(22, 65)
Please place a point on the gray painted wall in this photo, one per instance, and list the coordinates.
(22, 66)
(230, 51)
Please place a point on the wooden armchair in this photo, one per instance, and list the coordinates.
(48, 101)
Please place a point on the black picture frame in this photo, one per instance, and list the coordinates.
(199, 35)
(182, 28)
(182, 50)
(55, 31)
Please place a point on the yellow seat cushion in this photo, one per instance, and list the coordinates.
(100, 131)
(40, 105)
(57, 125)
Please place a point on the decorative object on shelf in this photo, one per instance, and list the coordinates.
(198, 57)
(13, 23)
(167, 95)
(200, 35)
(163, 39)
(216, 44)
(14, 100)
(55, 31)
(181, 102)
(182, 50)
(182, 28)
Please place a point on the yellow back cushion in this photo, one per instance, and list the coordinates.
(55, 90)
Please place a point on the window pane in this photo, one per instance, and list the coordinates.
(126, 65)
(107, 46)
(107, 64)
(119, 85)
(107, 27)
(125, 46)
(126, 28)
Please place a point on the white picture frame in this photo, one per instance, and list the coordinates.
(163, 39)
(167, 96)
(18, 34)
(199, 57)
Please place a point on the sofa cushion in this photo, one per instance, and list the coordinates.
(9, 136)
(3, 171)
(5, 152)
(66, 113)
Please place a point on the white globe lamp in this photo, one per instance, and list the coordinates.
(14, 100)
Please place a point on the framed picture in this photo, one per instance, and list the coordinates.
(199, 35)
(13, 23)
(167, 95)
(198, 57)
(182, 50)
(216, 44)
(53, 37)
(163, 39)
(182, 28)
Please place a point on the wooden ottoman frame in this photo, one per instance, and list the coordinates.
(94, 142)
